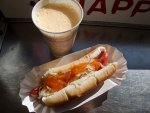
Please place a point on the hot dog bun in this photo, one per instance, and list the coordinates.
(61, 84)
(81, 86)
(93, 54)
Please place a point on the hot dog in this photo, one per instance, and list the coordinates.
(61, 84)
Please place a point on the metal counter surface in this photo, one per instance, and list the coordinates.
(24, 48)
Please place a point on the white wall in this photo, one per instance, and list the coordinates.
(16, 8)
(22, 9)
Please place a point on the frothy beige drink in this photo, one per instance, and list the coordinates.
(58, 20)
(57, 17)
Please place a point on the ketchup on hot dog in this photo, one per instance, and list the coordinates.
(61, 79)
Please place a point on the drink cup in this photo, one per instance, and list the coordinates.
(60, 43)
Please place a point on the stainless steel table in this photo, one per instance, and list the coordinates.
(132, 96)
(24, 48)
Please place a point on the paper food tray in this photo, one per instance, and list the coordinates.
(31, 78)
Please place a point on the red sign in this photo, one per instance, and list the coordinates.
(132, 9)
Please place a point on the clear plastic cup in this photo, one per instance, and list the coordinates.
(60, 43)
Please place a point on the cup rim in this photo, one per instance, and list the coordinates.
(82, 14)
